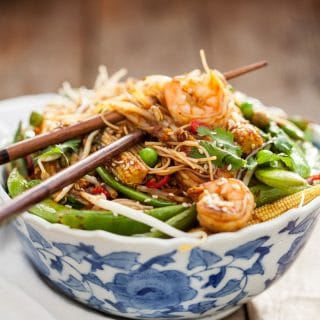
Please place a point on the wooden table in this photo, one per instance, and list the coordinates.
(45, 42)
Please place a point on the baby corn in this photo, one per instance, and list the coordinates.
(275, 209)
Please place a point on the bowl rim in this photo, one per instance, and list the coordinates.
(263, 227)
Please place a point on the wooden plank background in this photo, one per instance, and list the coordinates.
(43, 43)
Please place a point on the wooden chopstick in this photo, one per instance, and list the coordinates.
(68, 176)
(23, 148)
(245, 69)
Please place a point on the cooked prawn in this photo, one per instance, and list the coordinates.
(225, 205)
(205, 97)
(198, 96)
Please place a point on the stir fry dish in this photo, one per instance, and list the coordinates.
(214, 159)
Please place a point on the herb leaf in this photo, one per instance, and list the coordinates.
(281, 141)
(222, 138)
(284, 144)
(222, 146)
(55, 152)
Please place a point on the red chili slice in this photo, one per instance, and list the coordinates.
(195, 124)
(153, 183)
(314, 178)
(99, 190)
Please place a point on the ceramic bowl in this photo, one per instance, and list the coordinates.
(153, 278)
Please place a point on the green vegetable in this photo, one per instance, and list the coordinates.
(105, 220)
(291, 130)
(149, 156)
(20, 163)
(299, 161)
(18, 135)
(312, 155)
(87, 219)
(182, 221)
(247, 109)
(254, 115)
(74, 202)
(222, 146)
(268, 157)
(281, 140)
(285, 145)
(35, 119)
(264, 194)
(300, 122)
(130, 192)
(55, 152)
(279, 178)
(260, 119)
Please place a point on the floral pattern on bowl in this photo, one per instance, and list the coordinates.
(174, 284)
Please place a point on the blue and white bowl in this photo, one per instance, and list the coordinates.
(160, 279)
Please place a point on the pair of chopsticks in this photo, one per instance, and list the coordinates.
(81, 168)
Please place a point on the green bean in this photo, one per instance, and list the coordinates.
(279, 178)
(87, 219)
(264, 194)
(130, 192)
(182, 221)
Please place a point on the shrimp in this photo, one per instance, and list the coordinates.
(205, 97)
(198, 96)
(225, 205)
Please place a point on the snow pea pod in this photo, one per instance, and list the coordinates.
(291, 129)
(87, 219)
(106, 220)
(300, 122)
(264, 194)
(279, 178)
(130, 192)
(182, 221)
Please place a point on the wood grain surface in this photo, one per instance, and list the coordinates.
(44, 43)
